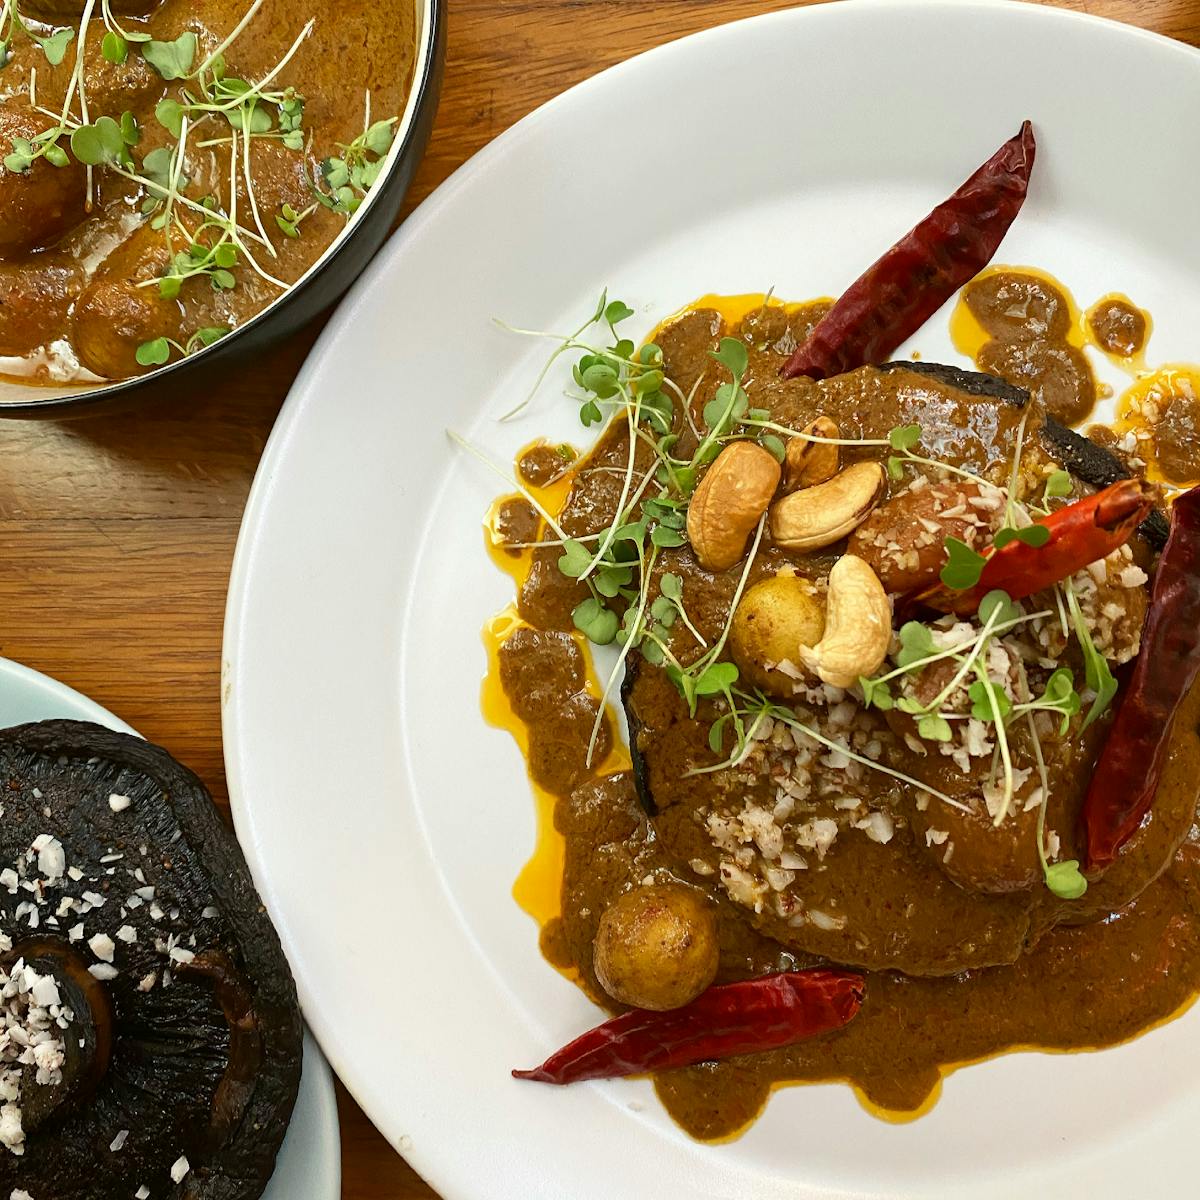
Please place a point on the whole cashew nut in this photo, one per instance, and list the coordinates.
(858, 626)
(731, 498)
(819, 516)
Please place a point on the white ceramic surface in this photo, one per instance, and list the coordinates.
(385, 822)
(309, 1162)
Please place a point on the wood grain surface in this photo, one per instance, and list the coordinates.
(117, 532)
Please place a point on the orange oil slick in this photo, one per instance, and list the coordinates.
(538, 888)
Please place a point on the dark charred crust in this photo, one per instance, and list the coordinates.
(974, 383)
(1080, 455)
(641, 778)
(180, 1079)
(1099, 467)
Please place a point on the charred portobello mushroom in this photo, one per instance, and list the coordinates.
(150, 1039)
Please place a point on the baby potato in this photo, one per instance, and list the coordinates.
(41, 203)
(656, 946)
(773, 620)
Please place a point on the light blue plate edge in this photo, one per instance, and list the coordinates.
(309, 1166)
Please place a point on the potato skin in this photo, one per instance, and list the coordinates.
(39, 205)
(656, 946)
(773, 619)
(112, 318)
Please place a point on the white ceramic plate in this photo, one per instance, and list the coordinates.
(309, 1162)
(385, 821)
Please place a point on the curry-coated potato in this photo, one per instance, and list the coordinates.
(656, 946)
(112, 318)
(772, 621)
(40, 203)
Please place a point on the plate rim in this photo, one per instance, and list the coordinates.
(426, 1162)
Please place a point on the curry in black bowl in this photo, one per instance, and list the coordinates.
(169, 170)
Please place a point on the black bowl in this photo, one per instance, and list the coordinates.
(314, 293)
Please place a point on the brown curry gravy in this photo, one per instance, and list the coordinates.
(1082, 986)
(1024, 325)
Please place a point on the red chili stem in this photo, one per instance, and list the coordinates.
(1126, 778)
(733, 1018)
(893, 298)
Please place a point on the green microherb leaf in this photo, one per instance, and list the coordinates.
(114, 48)
(733, 356)
(666, 538)
(98, 144)
(154, 353)
(378, 139)
(932, 728)
(659, 411)
(1066, 880)
(716, 732)
(55, 46)
(664, 611)
(716, 678)
(576, 558)
(904, 437)
(131, 132)
(774, 446)
(646, 383)
(172, 60)
(671, 586)
(876, 693)
(895, 467)
(597, 623)
(1060, 696)
(617, 311)
(997, 608)
(963, 566)
(1058, 486)
(685, 684)
(590, 414)
(916, 644)
(987, 700)
(156, 166)
(169, 114)
(1031, 535)
(206, 336)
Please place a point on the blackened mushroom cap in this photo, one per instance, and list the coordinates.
(190, 1091)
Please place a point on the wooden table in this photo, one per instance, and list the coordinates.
(117, 532)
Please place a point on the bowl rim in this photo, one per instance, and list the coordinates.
(431, 16)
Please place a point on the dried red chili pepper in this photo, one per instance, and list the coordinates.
(732, 1018)
(893, 298)
(1127, 775)
(1080, 533)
